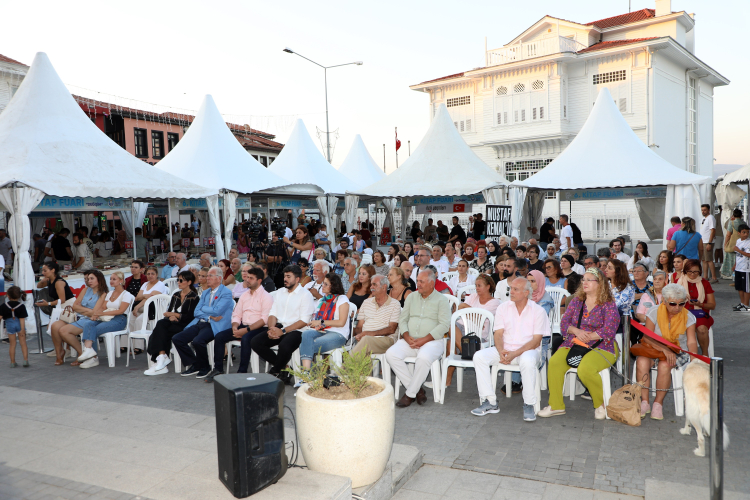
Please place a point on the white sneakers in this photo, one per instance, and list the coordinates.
(90, 362)
(88, 353)
(549, 412)
(600, 413)
(160, 367)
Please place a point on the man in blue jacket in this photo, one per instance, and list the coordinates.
(213, 314)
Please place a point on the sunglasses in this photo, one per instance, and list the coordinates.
(181, 281)
(677, 303)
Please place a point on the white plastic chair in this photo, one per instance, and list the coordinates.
(571, 376)
(508, 369)
(711, 342)
(472, 272)
(446, 277)
(557, 295)
(171, 284)
(453, 301)
(112, 339)
(336, 355)
(679, 394)
(463, 292)
(381, 366)
(161, 304)
(473, 319)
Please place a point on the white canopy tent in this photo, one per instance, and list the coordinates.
(210, 153)
(309, 174)
(442, 165)
(739, 176)
(49, 147)
(606, 153)
(361, 169)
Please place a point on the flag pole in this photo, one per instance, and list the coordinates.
(383, 158)
(396, 147)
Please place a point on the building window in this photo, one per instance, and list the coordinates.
(264, 161)
(462, 112)
(157, 143)
(141, 146)
(612, 76)
(270, 160)
(692, 126)
(527, 102)
(522, 170)
(172, 140)
(255, 156)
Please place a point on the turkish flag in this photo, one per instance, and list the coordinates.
(398, 143)
(459, 208)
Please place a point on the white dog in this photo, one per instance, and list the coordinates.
(696, 381)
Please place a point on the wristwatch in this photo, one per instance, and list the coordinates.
(322, 322)
(283, 330)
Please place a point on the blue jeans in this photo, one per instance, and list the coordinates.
(314, 341)
(93, 329)
(12, 326)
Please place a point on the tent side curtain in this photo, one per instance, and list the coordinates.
(728, 196)
(651, 212)
(20, 201)
(405, 212)
(212, 202)
(350, 212)
(230, 215)
(390, 209)
(126, 216)
(494, 196)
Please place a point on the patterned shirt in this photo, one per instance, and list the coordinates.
(623, 299)
(603, 319)
(645, 289)
(482, 268)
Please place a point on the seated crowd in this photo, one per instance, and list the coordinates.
(402, 308)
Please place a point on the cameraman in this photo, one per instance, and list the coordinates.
(276, 257)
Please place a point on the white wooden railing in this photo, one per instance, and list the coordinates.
(528, 50)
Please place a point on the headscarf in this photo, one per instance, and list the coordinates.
(671, 330)
(496, 251)
(540, 285)
(698, 282)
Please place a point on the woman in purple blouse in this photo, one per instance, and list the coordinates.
(599, 318)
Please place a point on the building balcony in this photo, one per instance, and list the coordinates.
(530, 50)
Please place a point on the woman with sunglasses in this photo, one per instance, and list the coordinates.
(672, 322)
(701, 300)
(179, 314)
(304, 265)
(554, 273)
(591, 318)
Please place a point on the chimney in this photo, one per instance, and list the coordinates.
(663, 7)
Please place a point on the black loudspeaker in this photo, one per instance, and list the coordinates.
(249, 431)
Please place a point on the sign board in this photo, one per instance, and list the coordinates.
(208, 241)
(196, 242)
(443, 208)
(498, 221)
(385, 236)
(129, 245)
(200, 203)
(615, 193)
(442, 200)
(185, 243)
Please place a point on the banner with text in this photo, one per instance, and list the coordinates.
(444, 208)
(615, 193)
(498, 221)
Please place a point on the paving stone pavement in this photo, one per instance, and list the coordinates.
(573, 450)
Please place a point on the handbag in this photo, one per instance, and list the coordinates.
(107, 317)
(625, 405)
(647, 351)
(470, 344)
(579, 349)
(698, 313)
(68, 315)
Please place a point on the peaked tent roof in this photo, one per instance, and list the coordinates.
(210, 152)
(741, 175)
(305, 169)
(48, 143)
(359, 166)
(442, 165)
(607, 153)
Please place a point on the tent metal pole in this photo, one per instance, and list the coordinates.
(169, 222)
(132, 219)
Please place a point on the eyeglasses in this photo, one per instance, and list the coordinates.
(590, 281)
(677, 303)
(693, 272)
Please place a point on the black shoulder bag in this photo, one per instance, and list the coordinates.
(577, 352)
(470, 344)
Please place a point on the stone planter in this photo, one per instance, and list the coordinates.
(351, 438)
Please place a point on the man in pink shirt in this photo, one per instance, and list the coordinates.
(676, 226)
(520, 324)
(250, 317)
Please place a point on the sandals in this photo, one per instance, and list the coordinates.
(137, 351)
(77, 363)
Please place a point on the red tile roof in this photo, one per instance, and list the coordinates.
(9, 60)
(614, 43)
(630, 17)
(444, 78)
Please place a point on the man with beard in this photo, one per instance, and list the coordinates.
(510, 271)
(292, 310)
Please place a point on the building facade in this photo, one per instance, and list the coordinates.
(534, 94)
(12, 74)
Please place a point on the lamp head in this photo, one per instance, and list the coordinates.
(288, 50)
(359, 63)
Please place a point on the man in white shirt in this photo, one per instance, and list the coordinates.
(320, 269)
(350, 273)
(343, 245)
(615, 251)
(440, 263)
(566, 234)
(181, 266)
(292, 310)
(421, 260)
(708, 233)
(520, 325)
(82, 258)
(510, 268)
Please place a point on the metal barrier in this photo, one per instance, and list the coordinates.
(39, 328)
(625, 321)
(716, 453)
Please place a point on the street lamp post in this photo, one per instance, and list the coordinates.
(325, 77)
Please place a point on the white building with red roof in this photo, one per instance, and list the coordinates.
(533, 95)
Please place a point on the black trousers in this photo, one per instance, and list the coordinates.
(161, 337)
(221, 339)
(288, 343)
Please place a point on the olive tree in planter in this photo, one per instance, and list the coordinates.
(346, 430)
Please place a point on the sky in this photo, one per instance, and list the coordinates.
(168, 54)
